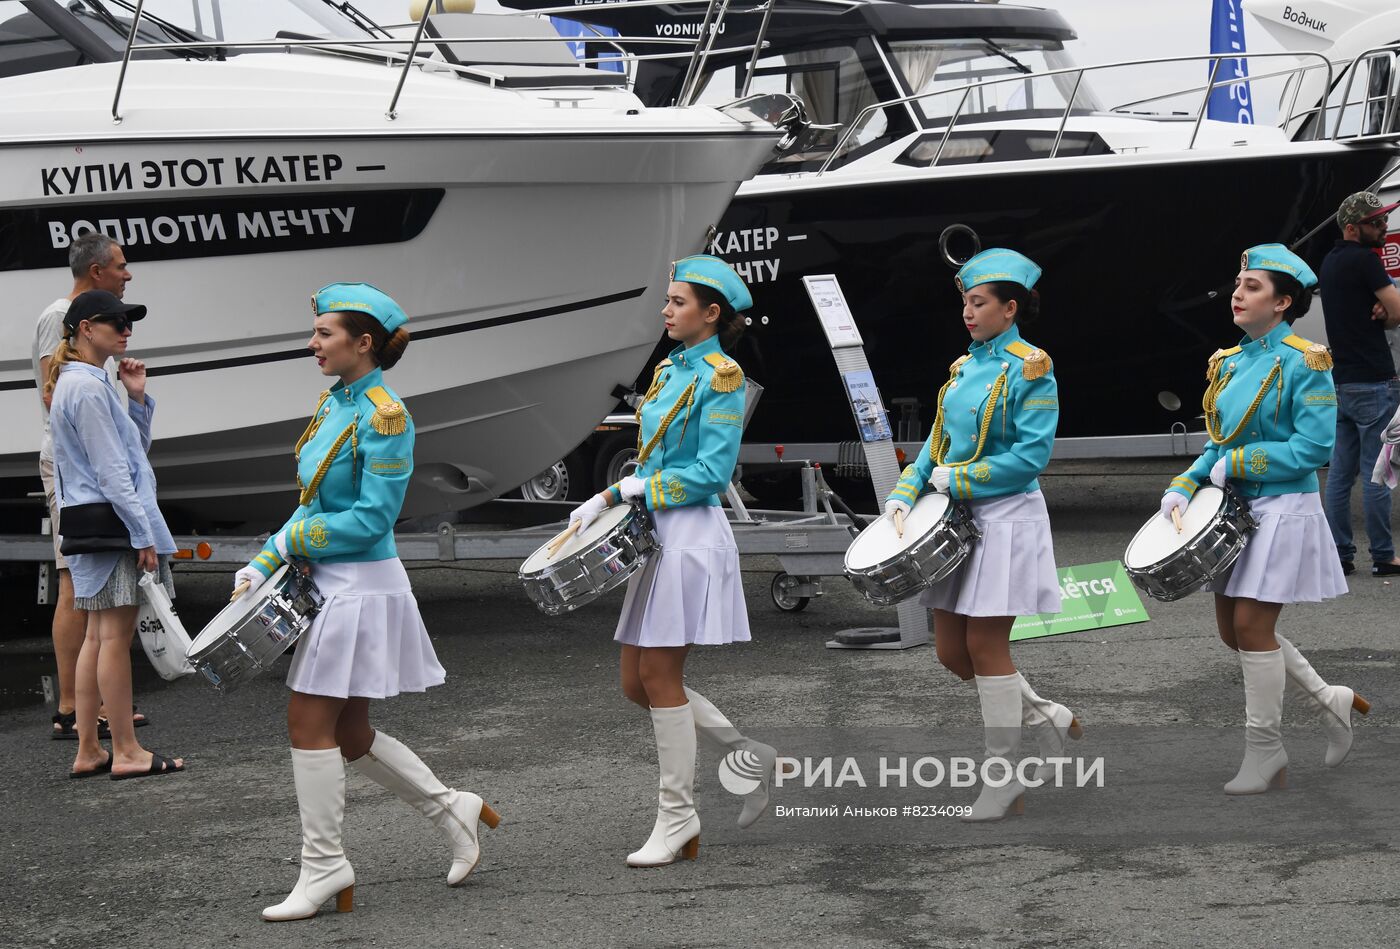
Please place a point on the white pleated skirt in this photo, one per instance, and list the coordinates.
(368, 641)
(1011, 570)
(1291, 558)
(692, 592)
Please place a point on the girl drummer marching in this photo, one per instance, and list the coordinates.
(691, 593)
(368, 641)
(1271, 413)
(992, 435)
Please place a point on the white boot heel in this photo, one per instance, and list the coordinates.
(320, 784)
(760, 760)
(1051, 723)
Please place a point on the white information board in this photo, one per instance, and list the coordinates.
(832, 311)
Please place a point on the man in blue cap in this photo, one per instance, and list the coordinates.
(1360, 303)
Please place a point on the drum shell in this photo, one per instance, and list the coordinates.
(579, 579)
(928, 560)
(259, 638)
(1209, 554)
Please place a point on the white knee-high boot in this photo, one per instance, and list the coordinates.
(676, 833)
(711, 723)
(456, 814)
(320, 784)
(1265, 762)
(1051, 723)
(1331, 703)
(1001, 723)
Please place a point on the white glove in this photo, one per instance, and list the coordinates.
(632, 487)
(280, 542)
(940, 479)
(587, 511)
(895, 504)
(1217, 473)
(250, 574)
(1172, 501)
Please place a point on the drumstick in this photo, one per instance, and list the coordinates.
(1176, 518)
(241, 589)
(563, 538)
(899, 521)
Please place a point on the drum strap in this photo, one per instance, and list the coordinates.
(938, 450)
(686, 400)
(1208, 403)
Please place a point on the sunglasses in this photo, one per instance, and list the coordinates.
(117, 321)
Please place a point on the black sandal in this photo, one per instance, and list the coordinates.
(94, 772)
(160, 764)
(67, 723)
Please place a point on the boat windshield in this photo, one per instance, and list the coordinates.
(945, 67)
(38, 35)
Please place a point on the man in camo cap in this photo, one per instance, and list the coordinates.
(1359, 304)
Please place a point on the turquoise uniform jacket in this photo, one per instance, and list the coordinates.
(995, 424)
(690, 424)
(1271, 411)
(353, 466)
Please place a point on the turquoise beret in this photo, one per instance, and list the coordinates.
(1279, 258)
(717, 275)
(996, 264)
(364, 297)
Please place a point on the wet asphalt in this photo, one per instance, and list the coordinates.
(531, 718)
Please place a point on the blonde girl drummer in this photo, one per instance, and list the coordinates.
(1271, 413)
(368, 641)
(691, 594)
(992, 435)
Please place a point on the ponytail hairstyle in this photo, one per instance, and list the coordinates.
(387, 348)
(731, 324)
(1027, 300)
(1287, 285)
(62, 356)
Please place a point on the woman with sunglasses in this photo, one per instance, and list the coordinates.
(368, 640)
(1271, 413)
(99, 451)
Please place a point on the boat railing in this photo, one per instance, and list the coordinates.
(1078, 73)
(700, 49)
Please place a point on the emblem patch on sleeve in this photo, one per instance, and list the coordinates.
(317, 535)
(379, 464)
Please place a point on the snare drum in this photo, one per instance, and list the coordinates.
(1167, 565)
(887, 568)
(251, 632)
(617, 544)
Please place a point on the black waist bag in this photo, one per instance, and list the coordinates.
(91, 528)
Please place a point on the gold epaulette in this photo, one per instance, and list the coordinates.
(389, 417)
(1315, 355)
(957, 363)
(727, 374)
(1034, 362)
(1216, 358)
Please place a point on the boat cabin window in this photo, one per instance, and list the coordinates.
(947, 67)
(834, 83)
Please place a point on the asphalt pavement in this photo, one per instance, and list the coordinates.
(532, 719)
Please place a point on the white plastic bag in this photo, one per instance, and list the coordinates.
(162, 634)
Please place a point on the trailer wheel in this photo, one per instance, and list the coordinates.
(783, 598)
(565, 480)
(615, 453)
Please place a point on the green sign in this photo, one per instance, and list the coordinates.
(1093, 596)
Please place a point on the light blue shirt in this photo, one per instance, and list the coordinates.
(99, 453)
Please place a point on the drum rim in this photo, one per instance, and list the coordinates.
(1225, 504)
(250, 603)
(942, 522)
(629, 513)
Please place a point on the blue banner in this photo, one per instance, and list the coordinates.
(573, 28)
(1230, 103)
